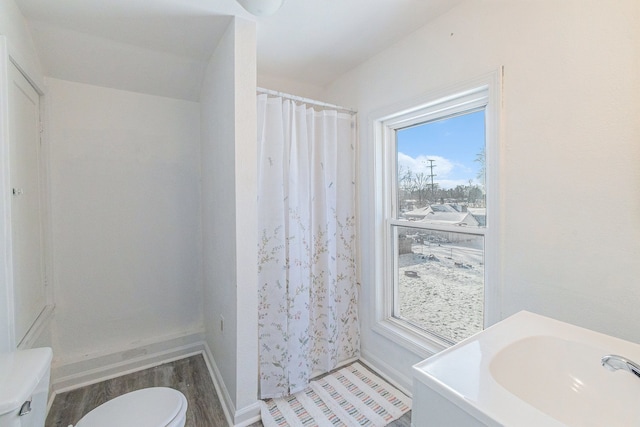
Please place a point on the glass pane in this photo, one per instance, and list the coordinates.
(441, 171)
(440, 281)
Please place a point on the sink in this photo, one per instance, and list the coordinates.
(564, 378)
(530, 370)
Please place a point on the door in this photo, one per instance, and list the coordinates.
(26, 207)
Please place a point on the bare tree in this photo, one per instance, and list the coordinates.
(481, 159)
(421, 185)
(405, 180)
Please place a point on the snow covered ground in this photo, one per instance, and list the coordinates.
(441, 287)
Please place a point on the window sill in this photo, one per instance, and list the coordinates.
(410, 338)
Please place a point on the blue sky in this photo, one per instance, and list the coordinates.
(453, 144)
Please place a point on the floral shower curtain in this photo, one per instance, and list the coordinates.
(307, 314)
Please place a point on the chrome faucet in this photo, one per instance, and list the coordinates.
(613, 363)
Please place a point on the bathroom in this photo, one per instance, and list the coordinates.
(126, 171)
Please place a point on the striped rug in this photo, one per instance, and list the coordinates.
(352, 396)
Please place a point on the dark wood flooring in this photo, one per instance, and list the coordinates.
(190, 376)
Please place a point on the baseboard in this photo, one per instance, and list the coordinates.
(248, 415)
(93, 369)
(387, 372)
(235, 417)
(228, 407)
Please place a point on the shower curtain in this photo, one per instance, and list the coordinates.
(308, 293)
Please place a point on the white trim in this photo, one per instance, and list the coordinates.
(139, 365)
(448, 228)
(495, 211)
(7, 340)
(241, 417)
(15, 61)
(450, 105)
(484, 91)
(46, 200)
(42, 322)
(408, 336)
(228, 407)
(388, 373)
(98, 367)
(248, 415)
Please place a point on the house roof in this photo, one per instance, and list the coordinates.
(420, 213)
(452, 218)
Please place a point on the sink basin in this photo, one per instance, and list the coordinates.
(564, 378)
(530, 370)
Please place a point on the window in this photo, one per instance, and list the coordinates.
(437, 204)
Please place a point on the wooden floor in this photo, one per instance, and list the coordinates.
(190, 376)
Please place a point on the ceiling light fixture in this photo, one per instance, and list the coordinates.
(261, 7)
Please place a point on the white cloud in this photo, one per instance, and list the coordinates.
(444, 169)
(441, 167)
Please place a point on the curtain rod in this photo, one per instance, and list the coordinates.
(304, 100)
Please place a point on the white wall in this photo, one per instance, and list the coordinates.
(229, 218)
(126, 219)
(246, 189)
(570, 179)
(291, 87)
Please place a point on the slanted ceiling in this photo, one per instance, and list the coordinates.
(161, 47)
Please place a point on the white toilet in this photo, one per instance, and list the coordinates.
(24, 387)
(148, 407)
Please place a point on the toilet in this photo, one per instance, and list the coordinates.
(148, 407)
(24, 387)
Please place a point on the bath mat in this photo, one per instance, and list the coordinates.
(351, 396)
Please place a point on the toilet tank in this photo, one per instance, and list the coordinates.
(24, 377)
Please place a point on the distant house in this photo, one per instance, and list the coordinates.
(420, 213)
(445, 214)
(417, 214)
(451, 218)
(480, 214)
(408, 205)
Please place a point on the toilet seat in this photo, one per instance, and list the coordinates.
(148, 407)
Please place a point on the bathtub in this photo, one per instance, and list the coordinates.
(528, 370)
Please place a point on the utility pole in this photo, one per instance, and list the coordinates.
(431, 175)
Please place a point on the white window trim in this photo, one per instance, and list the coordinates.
(483, 91)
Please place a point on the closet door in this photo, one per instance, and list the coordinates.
(26, 210)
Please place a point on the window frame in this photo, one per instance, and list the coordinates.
(483, 92)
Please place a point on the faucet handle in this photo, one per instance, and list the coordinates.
(25, 408)
(613, 362)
